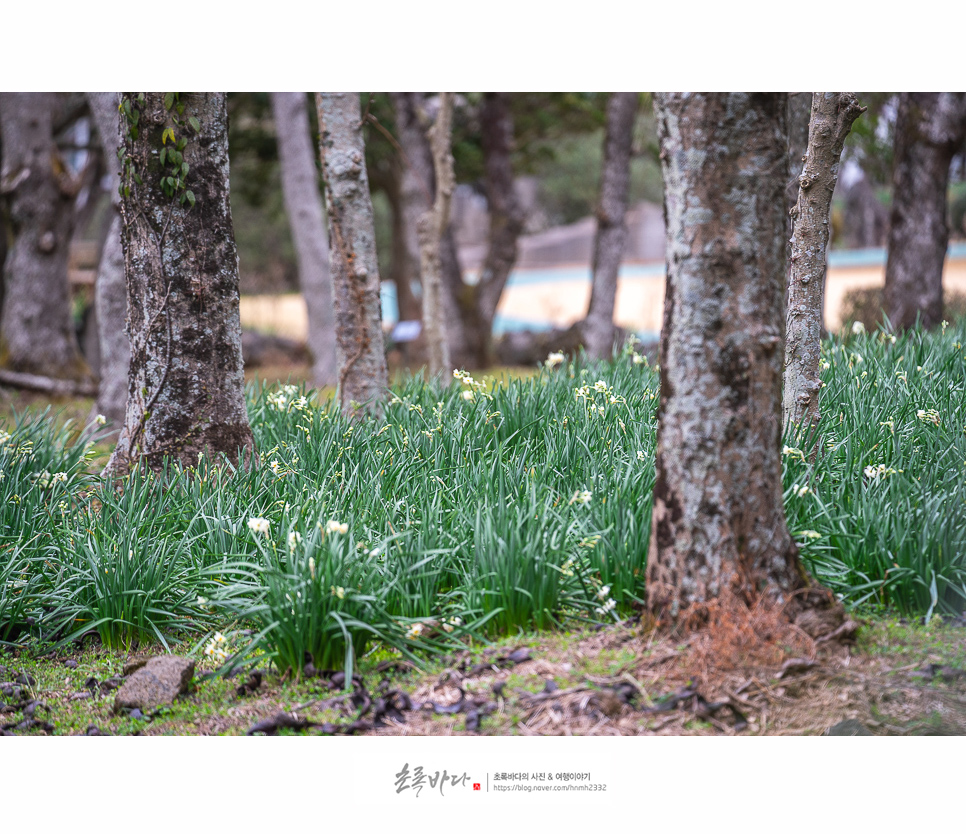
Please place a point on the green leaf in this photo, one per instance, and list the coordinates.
(168, 101)
(164, 155)
(193, 121)
(190, 197)
(184, 169)
(134, 132)
(180, 144)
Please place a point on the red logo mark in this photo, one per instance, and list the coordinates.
(476, 786)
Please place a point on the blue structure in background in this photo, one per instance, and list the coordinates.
(521, 278)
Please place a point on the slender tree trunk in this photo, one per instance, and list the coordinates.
(799, 115)
(832, 118)
(186, 381)
(363, 377)
(459, 307)
(506, 215)
(110, 291)
(36, 332)
(417, 192)
(417, 183)
(718, 520)
(611, 232)
(303, 204)
(431, 227)
(402, 275)
(929, 131)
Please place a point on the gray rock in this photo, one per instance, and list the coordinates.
(158, 682)
(849, 727)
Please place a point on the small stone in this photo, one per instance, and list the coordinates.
(70, 664)
(158, 682)
(849, 727)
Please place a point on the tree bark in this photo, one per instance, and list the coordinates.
(929, 130)
(799, 116)
(186, 380)
(363, 377)
(417, 182)
(718, 519)
(110, 290)
(611, 234)
(36, 331)
(303, 204)
(431, 227)
(401, 272)
(506, 215)
(832, 118)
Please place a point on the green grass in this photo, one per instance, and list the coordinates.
(478, 509)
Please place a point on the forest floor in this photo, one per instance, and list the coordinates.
(900, 678)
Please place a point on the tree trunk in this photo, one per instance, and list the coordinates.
(110, 291)
(401, 272)
(929, 131)
(799, 115)
(186, 381)
(36, 332)
(363, 377)
(431, 227)
(417, 183)
(832, 118)
(506, 214)
(611, 235)
(303, 204)
(718, 521)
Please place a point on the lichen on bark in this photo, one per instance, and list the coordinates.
(718, 520)
(186, 379)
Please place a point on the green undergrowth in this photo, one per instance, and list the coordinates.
(469, 511)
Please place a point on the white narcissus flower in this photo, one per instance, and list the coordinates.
(468, 396)
(259, 525)
(554, 359)
(338, 591)
(294, 540)
(858, 328)
(333, 526)
(100, 419)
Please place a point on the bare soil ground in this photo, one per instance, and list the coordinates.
(900, 679)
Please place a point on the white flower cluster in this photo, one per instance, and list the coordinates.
(554, 360)
(217, 648)
(45, 479)
(284, 399)
(858, 328)
(794, 453)
(799, 491)
(294, 540)
(451, 623)
(581, 497)
(259, 525)
(475, 386)
(876, 472)
(333, 526)
(929, 415)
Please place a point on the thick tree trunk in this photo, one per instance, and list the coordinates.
(303, 204)
(799, 115)
(611, 234)
(431, 227)
(363, 377)
(718, 520)
(929, 131)
(110, 291)
(36, 330)
(506, 214)
(186, 381)
(832, 118)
